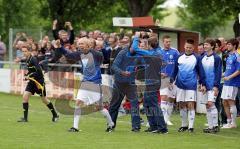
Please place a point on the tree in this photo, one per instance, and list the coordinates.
(139, 8)
(84, 14)
(205, 15)
(81, 13)
(89, 14)
(18, 14)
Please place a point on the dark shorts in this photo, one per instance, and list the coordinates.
(32, 88)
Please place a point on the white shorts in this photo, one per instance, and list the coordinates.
(170, 93)
(165, 82)
(89, 93)
(229, 92)
(185, 95)
(209, 96)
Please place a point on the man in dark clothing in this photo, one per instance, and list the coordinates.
(111, 52)
(63, 35)
(153, 62)
(35, 85)
(123, 68)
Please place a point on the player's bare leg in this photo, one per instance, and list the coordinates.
(228, 114)
(233, 112)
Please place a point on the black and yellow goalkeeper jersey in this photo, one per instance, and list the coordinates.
(34, 69)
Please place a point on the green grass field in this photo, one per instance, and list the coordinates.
(41, 133)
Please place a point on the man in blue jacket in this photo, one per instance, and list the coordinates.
(123, 70)
(153, 61)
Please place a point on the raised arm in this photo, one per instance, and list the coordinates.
(137, 49)
(54, 30)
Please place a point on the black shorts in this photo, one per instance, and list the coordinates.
(32, 87)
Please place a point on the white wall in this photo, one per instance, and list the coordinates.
(5, 80)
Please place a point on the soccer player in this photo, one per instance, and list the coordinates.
(185, 75)
(168, 95)
(35, 85)
(212, 66)
(90, 90)
(231, 83)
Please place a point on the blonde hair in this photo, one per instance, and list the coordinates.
(62, 32)
(85, 40)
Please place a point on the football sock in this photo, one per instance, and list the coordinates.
(233, 111)
(209, 118)
(106, 114)
(77, 114)
(25, 110)
(50, 106)
(214, 115)
(183, 114)
(170, 109)
(164, 106)
(191, 118)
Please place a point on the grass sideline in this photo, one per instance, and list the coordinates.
(41, 133)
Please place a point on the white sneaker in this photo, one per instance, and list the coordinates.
(233, 126)
(147, 125)
(226, 126)
(111, 124)
(206, 124)
(169, 123)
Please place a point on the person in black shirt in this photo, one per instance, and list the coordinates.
(35, 84)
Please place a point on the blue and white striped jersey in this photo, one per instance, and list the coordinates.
(186, 72)
(212, 66)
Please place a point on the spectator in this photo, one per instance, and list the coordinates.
(111, 52)
(224, 50)
(90, 34)
(201, 50)
(30, 40)
(217, 48)
(96, 34)
(125, 41)
(114, 47)
(17, 44)
(83, 34)
(2, 52)
(238, 50)
(105, 38)
(62, 34)
(219, 103)
(19, 53)
(99, 45)
(223, 44)
(93, 43)
(99, 38)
